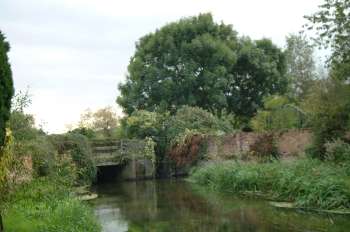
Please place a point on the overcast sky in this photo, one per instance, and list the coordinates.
(73, 53)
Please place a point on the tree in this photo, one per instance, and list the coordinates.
(328, 105)
(197, 62)
(332, 23)
(22, 125)
(278, 113)
(141, 124)
(259, 72)
(6, 93)
(104, 119)
(6, 87)
(300, 65)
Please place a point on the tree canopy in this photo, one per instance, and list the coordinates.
(6, 87)
(104, 119)
(300, 65)
(332, 23)
(198, 62)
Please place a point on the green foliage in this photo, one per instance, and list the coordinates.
(22, 126)
(337, 151)
(264, 149)
(259, 72)
(6, 87)
(87, 132)
(332, 24)
(46, 204)
(328, 104)
(142, 124)
(28, 140)
(21, 101)
(196, 120)
(167, 131)
(6, 160)
(197, 62)
(149, 151)
(42, 153)
(300, 65)
(78, 148)
(185, 131)
(102, 121)
(308, 183)
(278, 113)
(82, 156)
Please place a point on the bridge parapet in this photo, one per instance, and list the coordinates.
(131, 153)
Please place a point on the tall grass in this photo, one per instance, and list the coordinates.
(308, 183)
(47, 205)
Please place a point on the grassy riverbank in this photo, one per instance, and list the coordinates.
(308, 183)
(47, 204)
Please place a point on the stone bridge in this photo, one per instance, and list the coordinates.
(122, 159)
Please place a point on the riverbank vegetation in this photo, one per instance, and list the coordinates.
(187, 80)
(38, 175)
(309, 183)
(42, 171)
(49, 204)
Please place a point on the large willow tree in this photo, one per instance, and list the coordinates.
(198, 62)
(6, 87)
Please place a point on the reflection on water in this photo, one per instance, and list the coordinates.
(175, 206)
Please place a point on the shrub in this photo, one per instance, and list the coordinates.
(196, 119)
(142, 124)
(186, 129)
(81, 154)
(78, 148)
(22, 126)
(264, 148)
(87, 132)
(6, 160)
(186, 150)
(42, 153)
(328, 104)
(337, 151)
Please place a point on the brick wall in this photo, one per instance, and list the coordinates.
(288, 144)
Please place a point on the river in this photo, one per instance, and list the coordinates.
(178, 206)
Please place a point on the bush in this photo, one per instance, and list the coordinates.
(87, 132)
(264, 148)
(141, 124)
(78, 148)
(81, 154)
(186, 129)
(196, 119)
(43, 155)
(22, 126)
(328, 104)
(337, 151)
(6, 160)
(186, 151)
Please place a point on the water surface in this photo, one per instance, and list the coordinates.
(177, 206)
